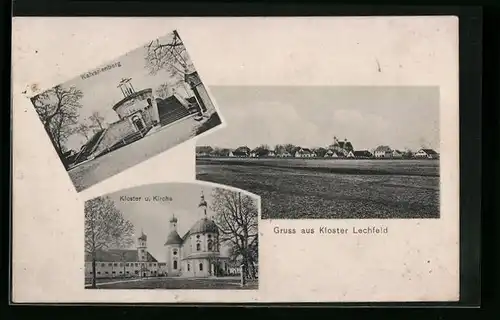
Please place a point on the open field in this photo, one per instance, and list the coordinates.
(178, 283)
(332, 188)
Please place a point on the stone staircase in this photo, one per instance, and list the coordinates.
(171, 109)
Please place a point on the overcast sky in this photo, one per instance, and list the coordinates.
(101, 92)
(401, 117)
(154, 217)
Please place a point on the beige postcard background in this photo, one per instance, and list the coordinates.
(418, 260)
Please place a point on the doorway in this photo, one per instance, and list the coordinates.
(138, 123)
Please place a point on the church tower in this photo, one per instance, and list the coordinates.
(203, 206)
(173, 246)
(142, 252)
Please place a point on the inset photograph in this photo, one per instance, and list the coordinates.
(173, 236)
(126, 111)
(329, 152)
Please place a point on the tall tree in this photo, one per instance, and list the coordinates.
(237, 218)
(58, 108)
(290, 148)
(105, 227)
(97, 121)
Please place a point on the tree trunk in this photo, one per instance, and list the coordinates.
(56, 146)
(93, 272)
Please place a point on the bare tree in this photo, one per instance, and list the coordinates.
(105, 227)
(84, 130)
(170, 56)
(58, 111)
(163, 91)
(237, 218)
(97, 121)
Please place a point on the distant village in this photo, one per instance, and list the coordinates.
(339, 149)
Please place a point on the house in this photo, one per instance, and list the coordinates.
(341, 147)
(351, 154)
(427, 154)
(241, 152)
(397, 154)
(284, 154)
(333, 154)
(383, 152)
(305, 153)
(114, 263)
(362, 154)
(271, 153)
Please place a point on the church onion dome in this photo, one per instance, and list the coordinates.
(204, 225)
(203, 203)
(173, 220)
(143, 237)
(173, 238)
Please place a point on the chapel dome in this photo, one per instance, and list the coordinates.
(204, 225)
(173, 238)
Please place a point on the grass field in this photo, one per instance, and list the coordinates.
(178, 283)
(326, 189)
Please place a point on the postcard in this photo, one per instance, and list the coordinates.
(125, 111)
(327, 170)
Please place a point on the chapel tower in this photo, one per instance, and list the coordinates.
(142, 252)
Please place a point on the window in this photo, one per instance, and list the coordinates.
(116, 264)
(128, 272)
(136, 271)
(110, 264)
(175, 252)
(98, 272)
(91, 272)
(198, 247)
(210, 245)
(136, 264)
(102, 264)
(150, 264)
(189, 267)
(201, 266)
(121, 264)
(112, 272)
(175, 264)
(198, 236)
(126, 265)
(209, 236)
(107, 272)
(121, 272)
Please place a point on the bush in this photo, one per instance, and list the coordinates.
(212, 122)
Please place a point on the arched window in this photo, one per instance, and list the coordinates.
(210, 245)
(201, 266)
(175, 264)
(198, 246)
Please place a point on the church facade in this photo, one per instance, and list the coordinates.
(197, 253)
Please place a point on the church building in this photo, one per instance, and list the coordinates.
(122, 263)
(197, 253)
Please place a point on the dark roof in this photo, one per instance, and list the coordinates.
(361, 153)
(130, 97)
(305, 150)
(383, 148)
(429, 151)
(118, 255)
(204, 225)
(173, 238)
(143, 237)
